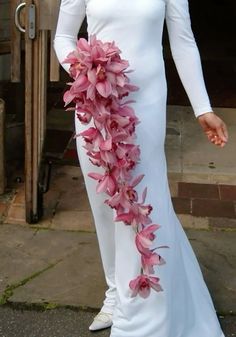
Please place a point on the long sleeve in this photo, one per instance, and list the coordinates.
(71, 16)
(186, 55)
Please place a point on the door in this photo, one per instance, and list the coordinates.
(40, 65)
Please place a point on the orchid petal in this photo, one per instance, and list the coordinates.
(104, 88)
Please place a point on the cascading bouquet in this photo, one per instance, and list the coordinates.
(99, 86)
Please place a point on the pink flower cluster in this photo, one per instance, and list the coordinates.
(100, 83)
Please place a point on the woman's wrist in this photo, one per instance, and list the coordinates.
(204, 113)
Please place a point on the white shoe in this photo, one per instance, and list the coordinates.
(102, 320)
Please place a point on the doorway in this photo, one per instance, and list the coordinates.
(213, 24)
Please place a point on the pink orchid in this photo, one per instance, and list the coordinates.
(101, 114)
(142, 284)
(137, 214)
(76, 91)
(128, 154)
(93, 138)
(84, 116)
(100, 84)
(80, 85)
(106, 183)
(145, 237)
(125, 194)
(148, 261)
(95, 159)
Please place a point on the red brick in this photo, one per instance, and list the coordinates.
(227, 192)
(181, 205)
(195, 190)
(213, 208)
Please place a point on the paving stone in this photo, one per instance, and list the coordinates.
(3, 210)
(15, 214)
(50, 202)
(78, 280)
(222, 223)
(19, 197)
(189, 221)
(25, 251)
(217, 256)
(73, 220)
(75, 199)
(77, 277)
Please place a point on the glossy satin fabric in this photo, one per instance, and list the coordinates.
(184, 308)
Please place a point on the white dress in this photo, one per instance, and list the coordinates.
(184, 308)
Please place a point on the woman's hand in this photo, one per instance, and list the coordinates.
(214, 128)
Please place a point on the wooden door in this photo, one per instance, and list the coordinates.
(40, 65)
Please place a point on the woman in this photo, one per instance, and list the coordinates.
(184, 308)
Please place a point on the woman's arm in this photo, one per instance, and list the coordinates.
(71, 16)
(187, 60)
(186, 55)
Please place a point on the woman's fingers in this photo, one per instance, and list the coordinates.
(220, 133)
(215, 137)
(214, 128)
(225, 131)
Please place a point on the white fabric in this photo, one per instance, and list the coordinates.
(184, 308)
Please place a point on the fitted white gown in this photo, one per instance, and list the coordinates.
(184, 308)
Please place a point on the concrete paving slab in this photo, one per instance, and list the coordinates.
(66, 205)
(73, 220)
(217, 256)
(74, 199)
(25, 251)
(78, 280)
(189, 221)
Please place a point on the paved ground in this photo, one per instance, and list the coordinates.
(51, 323)
(64, 323)
(54, 266)
(58, 267)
